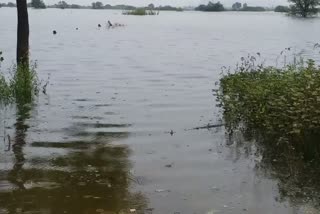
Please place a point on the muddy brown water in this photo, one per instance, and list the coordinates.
(99, 141)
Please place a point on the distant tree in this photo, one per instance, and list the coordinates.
(10, 4)
(75, 6)
(97, 5)
(151, 6)
(304, 8)
(168, 8)
(281, 9)
(22, 33)
(245, 5)
(236, 6)
(38, 4)
(107, 6)
(214, 7)
(62, 4)
(253, 9)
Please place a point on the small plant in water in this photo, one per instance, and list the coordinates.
(21, 86)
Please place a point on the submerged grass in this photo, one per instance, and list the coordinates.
(280, 105)
(140, 12)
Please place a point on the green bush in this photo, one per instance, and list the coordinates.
(282, 105)
(21, 86)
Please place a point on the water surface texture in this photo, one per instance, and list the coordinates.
(100, 142)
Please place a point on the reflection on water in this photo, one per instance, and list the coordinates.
(297, 178)
(93, 176)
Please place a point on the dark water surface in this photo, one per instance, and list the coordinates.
(99, 141)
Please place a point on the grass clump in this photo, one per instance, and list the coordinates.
(21, 86)
(280, 104)
(140, 12)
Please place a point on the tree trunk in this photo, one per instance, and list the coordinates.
(23, 33)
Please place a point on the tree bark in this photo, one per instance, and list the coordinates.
(23, 33)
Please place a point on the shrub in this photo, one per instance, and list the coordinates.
(281, 105)
(21, 86)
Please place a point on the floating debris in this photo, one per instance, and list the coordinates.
(169, 165)
(214, 188)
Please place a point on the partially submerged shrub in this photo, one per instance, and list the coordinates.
(24, 83)
(281, 104)
(21, 86)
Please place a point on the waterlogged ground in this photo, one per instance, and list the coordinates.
(99, 141)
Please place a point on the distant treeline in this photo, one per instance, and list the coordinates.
(9, 4)
(39, 4)
(210, 7)
(217, 7)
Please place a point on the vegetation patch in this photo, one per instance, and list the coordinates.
(278, 106)
(211, 7)
(281, 9)
(140, 12)
(21, 86)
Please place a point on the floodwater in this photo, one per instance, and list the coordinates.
(100, 142)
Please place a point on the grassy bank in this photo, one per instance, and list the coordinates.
(281, 107)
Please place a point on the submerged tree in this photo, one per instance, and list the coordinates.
(304, 8)
(23, 33)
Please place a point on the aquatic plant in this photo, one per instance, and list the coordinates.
(21, 86)
(279, 106)
(140, 12)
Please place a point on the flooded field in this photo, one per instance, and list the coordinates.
(114, 132)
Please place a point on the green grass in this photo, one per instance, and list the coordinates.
(280, 104)
(140, 12)
(21, 86)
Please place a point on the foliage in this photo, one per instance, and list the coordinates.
(122, 7)
(169, 8)
(97, 5)
(281, 9)
(62, 5)
(236, 6)
(9, 4)
(304, 8)
(254, 9)
(21, 86)
(140, 12)
(151, 6)
(38, 4)
(216, 7)
(280, 104)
